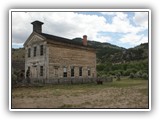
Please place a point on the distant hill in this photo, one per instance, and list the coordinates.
(139, 52)
(107, 52)
(18, 59)
(18, 54)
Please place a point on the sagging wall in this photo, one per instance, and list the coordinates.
(62, 57)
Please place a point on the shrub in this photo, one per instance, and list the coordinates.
(131, 75)
(118, 76)
(145, 76)
(138, 74)
(129, 71)
(100, 67)
(111, 73)
(14, 77)
(100, 73)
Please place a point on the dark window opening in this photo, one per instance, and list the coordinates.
(41, 70)
(72, 71)
(41, 50)
(64, 72)
(35, 50)
(29, 52)
(28, 72)
(89, 72)
(80, 71)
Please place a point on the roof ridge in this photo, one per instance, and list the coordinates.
(64, 40)
(61, 39)
(54, 36)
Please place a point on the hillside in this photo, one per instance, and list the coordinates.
(18, 54)
(111, 59)
(107, 52)
(18, 59)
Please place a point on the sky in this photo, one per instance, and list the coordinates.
(124, 29)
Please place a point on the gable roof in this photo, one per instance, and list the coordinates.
(37, 30)
(52, 38)
(63, 40)
(31, 35)
(58, 39)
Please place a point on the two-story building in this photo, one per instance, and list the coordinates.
(48, 56)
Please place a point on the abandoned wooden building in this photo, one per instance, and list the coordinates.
(49, 56)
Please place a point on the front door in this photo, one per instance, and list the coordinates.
(35, 72)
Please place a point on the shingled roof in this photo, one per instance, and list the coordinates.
(37, 29)
(63, 40)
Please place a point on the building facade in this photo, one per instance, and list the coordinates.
(49, 57)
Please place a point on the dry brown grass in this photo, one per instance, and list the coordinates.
(118, 94)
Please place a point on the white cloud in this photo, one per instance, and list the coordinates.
(143, 40)
(65, 24)
(103, 38)
(134, 39)
(121, 24)
(141, 19)
(71, 25)
(17, 45)
(108, 13)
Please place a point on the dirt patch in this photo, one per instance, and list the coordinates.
(82, 96)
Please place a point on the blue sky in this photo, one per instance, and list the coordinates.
(124, 29)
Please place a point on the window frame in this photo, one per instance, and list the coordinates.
(28, 71)
(72, 71)
(29, 52)
(89, 71)
(35, 51)
(41, 50)
(80, 71)
(41, 70)
(64, 71)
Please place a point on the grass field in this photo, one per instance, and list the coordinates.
(117, 94)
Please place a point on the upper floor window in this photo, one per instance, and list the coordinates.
(41, 50)
(29, 52)
(35, 50)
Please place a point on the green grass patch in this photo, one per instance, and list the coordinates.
(126, 83)
(57, 89)
(109, 94)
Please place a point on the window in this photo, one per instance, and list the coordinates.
(89, 72)
(41, 70)
(28, 68)
(28, 72)
(41, 50)
(64, 72)
(80, 71)
(35, 50)
(29, 52)
(72, 71)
